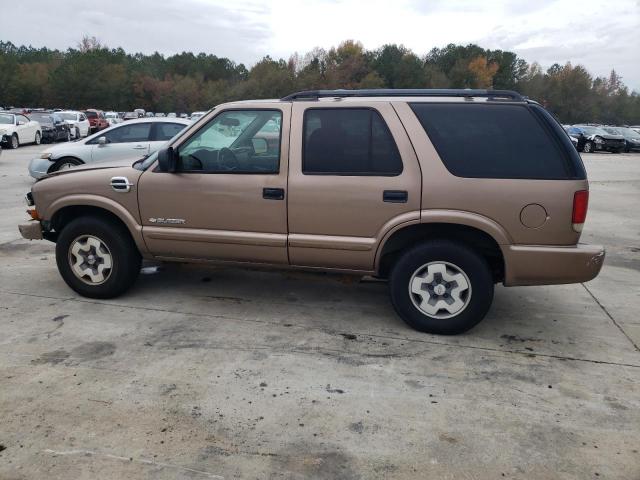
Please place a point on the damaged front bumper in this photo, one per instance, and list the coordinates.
(31, 230)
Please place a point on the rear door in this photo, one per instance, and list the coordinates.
(126, 141)
(353, 174)
(162, 132)
(26, 129)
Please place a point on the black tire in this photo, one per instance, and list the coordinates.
(474, 266)
(68, 137)
(588, 147)
(37, 140)
(77, 134)
(126, 259)
(64, 162)
(14, 142)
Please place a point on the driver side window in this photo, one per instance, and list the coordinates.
(235, 141)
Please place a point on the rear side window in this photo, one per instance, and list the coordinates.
(348, 141)
(166, 131)
(495, 141)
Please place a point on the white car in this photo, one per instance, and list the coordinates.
(16, 129)
(112, 118)
(78, 122)
(135, 138)
(196, 115)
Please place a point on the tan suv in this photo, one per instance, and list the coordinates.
(443, 192)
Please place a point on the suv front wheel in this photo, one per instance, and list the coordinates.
(441, 287)
(97, 257)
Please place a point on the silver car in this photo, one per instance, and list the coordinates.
(124, 140)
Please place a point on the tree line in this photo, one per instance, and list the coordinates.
(95, 76)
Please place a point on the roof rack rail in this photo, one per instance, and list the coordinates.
(407, 92)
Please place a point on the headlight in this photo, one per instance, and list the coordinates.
(46, 156)
(598, 140)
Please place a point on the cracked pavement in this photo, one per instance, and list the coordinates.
(211, 372)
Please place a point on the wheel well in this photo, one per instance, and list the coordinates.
(76, 160)
(481, 242)
(63, 216)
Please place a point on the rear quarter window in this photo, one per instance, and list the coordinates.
(498, 141)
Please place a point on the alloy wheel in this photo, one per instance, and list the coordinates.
(440, 290)
(90, 259)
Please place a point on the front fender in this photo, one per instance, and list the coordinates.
(98, 201)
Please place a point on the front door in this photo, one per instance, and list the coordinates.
(127, 141)
(227, 201)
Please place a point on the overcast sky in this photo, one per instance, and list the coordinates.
(600, 35)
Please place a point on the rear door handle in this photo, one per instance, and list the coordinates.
(273, 193)
(395, 196)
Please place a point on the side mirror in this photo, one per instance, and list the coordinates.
(20, 122)
(167, 159)
(102, 140)
(260, 146)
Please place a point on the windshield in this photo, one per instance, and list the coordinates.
(41, 118)
(628, 132)
(593, 130)
(91, 114)
(6, 119)
(68, 116)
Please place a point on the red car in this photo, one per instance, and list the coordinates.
(97, 120)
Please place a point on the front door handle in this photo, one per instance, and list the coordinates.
(140, 147)
(273, 193)
(395, 196)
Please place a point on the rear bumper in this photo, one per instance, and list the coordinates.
(549, 265)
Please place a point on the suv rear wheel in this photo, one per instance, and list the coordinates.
(96, 257)
(441, 287)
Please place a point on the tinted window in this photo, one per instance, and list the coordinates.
(166, 131)
(495, 141)
(138, 132)
(91, 114)
(348, 141)
(235, 141)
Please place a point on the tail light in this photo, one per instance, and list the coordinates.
(580, 204)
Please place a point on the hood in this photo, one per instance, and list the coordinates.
(127, 162)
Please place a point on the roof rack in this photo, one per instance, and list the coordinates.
(406, 92)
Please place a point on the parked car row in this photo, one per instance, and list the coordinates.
(603, 138)
(40, 125)
(19, 126)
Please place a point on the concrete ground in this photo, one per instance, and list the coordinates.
(204, 372)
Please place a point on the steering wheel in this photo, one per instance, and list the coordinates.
(227, 159)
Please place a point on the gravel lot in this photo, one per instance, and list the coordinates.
(204, 372)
